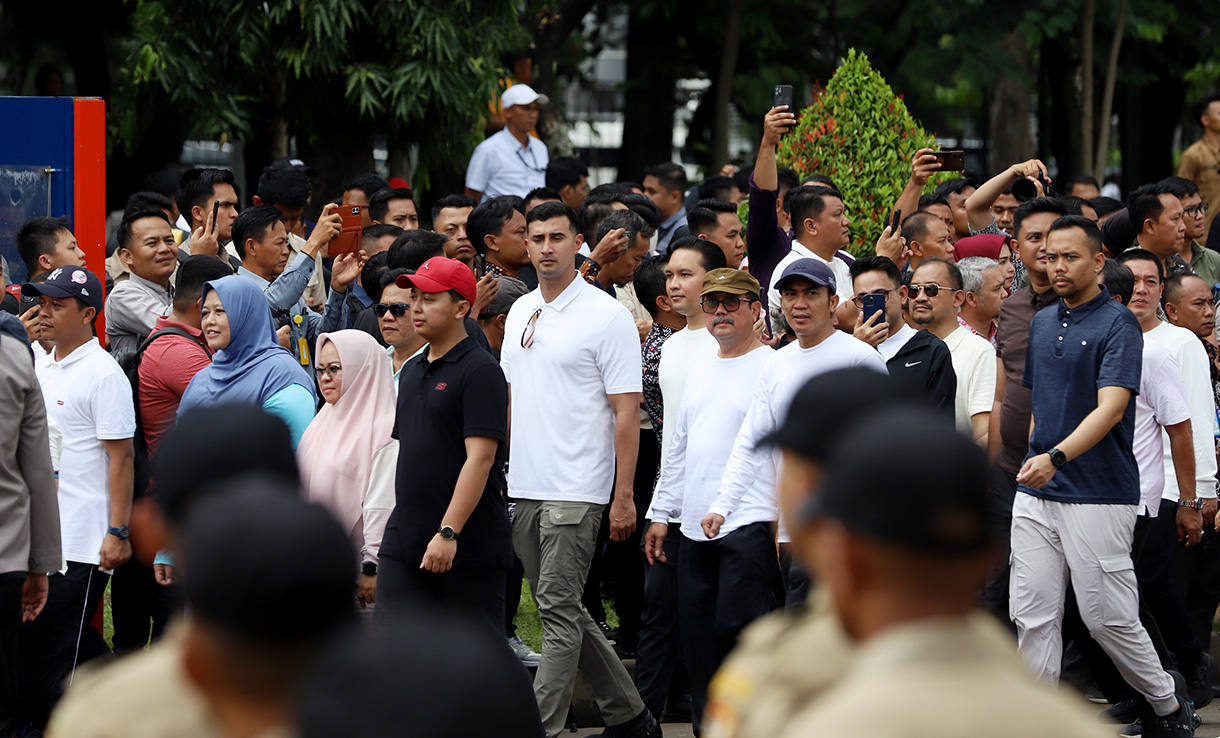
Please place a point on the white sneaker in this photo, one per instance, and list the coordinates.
(527, 655)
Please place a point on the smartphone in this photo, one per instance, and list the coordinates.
(873, 303)
(951, 161)
(783, 96)
(215, 215)
(480, 266)
(895, 222)
(348, 240)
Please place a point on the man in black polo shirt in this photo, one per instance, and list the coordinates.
(448, 542)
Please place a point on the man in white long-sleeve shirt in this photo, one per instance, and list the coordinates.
(808, 299)
(725, 581)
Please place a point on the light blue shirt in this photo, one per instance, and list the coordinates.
(501, 166)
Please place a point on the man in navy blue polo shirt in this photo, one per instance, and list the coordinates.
(448, 542)
(1079, 486)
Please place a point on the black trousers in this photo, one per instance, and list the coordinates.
(59, 640)
(1003, 492)
(723, 586)
(139, 607)
(513, 579)
(10, 627)
(474, 592)
(660, 648)
(1196, 577)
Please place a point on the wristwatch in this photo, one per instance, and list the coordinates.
(1195, 504)
(369, 569)
(448, 533)
(1058, 458)
(121, 532)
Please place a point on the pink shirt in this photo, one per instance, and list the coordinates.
(167, 367)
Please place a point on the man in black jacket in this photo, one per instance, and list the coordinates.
(915, 358)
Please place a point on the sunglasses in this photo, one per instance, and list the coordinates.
(932, 289)
(527, 336)
(397, 309)
(710, 304)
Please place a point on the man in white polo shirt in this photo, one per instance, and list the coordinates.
(510, 161)
(89, 398)
(571, 355)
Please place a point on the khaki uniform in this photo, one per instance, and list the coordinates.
(1201, 164)
(781, 663)
(943, 678)
(145, 695)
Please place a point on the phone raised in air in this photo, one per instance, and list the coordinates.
(873, 302)
(480, 266)
(895, 222)
(215, 215)
(348, 240)
(783, 96)
(951, 161)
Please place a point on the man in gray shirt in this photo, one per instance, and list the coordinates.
(147, 248)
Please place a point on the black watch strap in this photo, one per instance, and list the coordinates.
(369, 569)
(1058, 458)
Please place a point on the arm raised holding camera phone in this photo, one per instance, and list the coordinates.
(978, 205)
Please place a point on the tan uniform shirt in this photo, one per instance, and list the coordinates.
(944, 678)
(1201, 164)
(145, 695)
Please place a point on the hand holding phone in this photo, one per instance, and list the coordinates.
(783, 96)
(215, 215)
(951, 161)
(351, 225)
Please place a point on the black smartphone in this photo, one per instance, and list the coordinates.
(783, 96)
(215, 214)
(951, 161)
(873, 303)
(480, 266)
(895, 222)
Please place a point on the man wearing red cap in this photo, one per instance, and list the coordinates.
(448, 542)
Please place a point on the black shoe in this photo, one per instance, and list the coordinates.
(643, 725)
(610, 633)
(1199, 681)
(1133, 730)
(1093, 694)
(1124, 712)
(1181, 724)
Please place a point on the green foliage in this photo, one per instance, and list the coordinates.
(858, 133)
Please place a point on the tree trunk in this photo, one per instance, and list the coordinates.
(1010, 134)
(552, 27)
(1107, 100)
(1086, 92)
(724, 84)
(648, 97)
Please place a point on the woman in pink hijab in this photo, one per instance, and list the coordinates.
(993, 246)
(346, 455)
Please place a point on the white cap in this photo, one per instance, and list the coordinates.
(521, 95)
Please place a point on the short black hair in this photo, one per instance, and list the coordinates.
(387, 278)
(590, 216)
(820, 179)
(197, 186)
(607, 193)
(625, 219)
(193, 272)
(915, 225)
(717, 188)
(254, 223)
(413, 248)
(955, 274)
(1091, 231)
(1074, 205)
(670, 176)
(376, 264)
(1083, 179)
(705, 215)
(370, 184)
(877, 264)
(541, 193)
(148, 201)
(565, 172)
(1103, 205)
(1118, 280)
(649, 282)
(807, 201)
(123, 233)
(628, 185)
(712, 255)
(1179, 187)
(1145, 203)
(379, 203)
(787, 179)
(379, 230)
(1143, 255)
(1034, 207)
(955, 186)
(643, 207)
(284, 184)
(38, 236)
(932, 198)
(1173, 286)
(452, 201)
(489, 217)
(163, 181)
(1200, 108)
(548, 210)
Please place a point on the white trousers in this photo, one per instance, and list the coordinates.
(1092, 544)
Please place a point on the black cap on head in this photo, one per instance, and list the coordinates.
(827, 405)
(929, 495)
(212, 445)
(69, 281)
(267, 566)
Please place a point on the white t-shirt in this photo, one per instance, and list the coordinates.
(841, 271)
(89, 398)
(974, 362)
(784, 374)
(1160, 402)
(717, 396)
(892, 345)
(1192, 360)
(680, 352)
(585, 347)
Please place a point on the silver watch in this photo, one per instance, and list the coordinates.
(1195, 504)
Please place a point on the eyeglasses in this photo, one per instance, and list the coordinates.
(710, 304)
(1195, 211)
(527, 336)
(332, 370)
(397, 309)
(859, 299)
(932, 289)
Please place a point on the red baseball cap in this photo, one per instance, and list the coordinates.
(440, 274)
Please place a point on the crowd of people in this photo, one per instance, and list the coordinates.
(317, 482)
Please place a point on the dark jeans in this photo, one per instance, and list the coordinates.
(660, 647)
(1196, 577)
(723, 586)
(404, 590)
(10, 627)
(58, 640)
(1003, 491)
(139, 607)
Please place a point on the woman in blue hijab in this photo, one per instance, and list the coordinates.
(249, 366)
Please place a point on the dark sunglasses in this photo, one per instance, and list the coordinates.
(397, 309)
(730, 304)
(932, 289)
